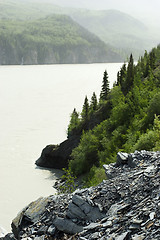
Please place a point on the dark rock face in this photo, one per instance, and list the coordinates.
(125, 207)
(57, 156)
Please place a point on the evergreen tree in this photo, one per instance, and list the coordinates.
(129, 79)
(152, 58)
(74, 122)
(121, 76)
(118, 78)
(93, 105)
(105, 87)
(130, 73)
(85, 110)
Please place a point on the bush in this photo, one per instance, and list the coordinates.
(85, 155)
(146, 141)
(68, 182)
(95, 176)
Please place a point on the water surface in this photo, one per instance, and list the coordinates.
(35, 106)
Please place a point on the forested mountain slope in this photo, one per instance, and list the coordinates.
(125, 118)
(54, 39)
(117, 29)
(130, 121)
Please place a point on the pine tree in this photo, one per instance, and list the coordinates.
(118, 78)
(105, 87)
(129, 79)
(93, 105)
(85, 110)
(74, 122)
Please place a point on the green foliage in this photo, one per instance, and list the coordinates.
(128, 76)
(94, 103)
(146, 141)
(53, 39)
(85, 155)
(68, 182)
(132, 123)
(156, 128)
(85, 110)
(95, 176)
(74, 124)
(105, 87)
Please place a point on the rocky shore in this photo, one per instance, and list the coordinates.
(125, 206)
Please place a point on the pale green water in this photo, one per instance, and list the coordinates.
(35, 105)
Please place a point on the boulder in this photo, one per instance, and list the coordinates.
(29, 214)
(57, 156)
(122, 158)
(67, 226)
(126, 206)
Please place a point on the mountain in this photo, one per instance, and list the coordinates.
(53, 39)
(115, 28)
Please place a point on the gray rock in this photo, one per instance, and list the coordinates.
(138, 237)
(92, 226)
(67, 226)
(79, 208)
(126, 206)
(131, 161)
(122, 158)
(107, 224)
(35, 209)
(17, 222)
(123, 236)
(51, 230)
(9, 236)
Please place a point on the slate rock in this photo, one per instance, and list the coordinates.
(35, 209)
(122, 158)
(67, 226)
(79, 208)
(9, 236)
(51, 230)
(124, 207)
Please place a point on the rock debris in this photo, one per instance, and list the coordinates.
(125, 206)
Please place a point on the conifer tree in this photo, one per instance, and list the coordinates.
(130, 72)
(129, 79)
(118, 78)
(105, 87)
(85, 110)
(93, 105)
(74, 122)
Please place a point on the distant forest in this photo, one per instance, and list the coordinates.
(54, 39)
(66, 40)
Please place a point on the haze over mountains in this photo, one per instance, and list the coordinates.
(121, 32)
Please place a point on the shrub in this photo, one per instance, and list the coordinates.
(147, 141)
(95, 176)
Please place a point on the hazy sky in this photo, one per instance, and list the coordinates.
(143, 9)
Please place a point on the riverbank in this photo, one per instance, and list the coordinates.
(126, 206)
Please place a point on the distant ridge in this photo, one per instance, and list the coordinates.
(115, 28)
(51, 40)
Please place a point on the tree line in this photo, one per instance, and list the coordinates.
(128, 117)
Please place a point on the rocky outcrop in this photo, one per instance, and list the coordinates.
(126, 206)
(57, 156)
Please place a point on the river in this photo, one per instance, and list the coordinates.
(35, 106)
